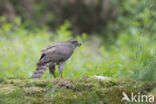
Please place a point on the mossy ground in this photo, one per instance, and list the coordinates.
(86, 90)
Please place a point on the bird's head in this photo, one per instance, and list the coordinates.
(75, 43)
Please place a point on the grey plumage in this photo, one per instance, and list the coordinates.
(55, 54)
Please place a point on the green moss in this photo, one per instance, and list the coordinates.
(33, 90)
(114, 94)
(7, 89)
(153, 92)
(39, 83)
(86, 90)
(146, 86)
(65, 83)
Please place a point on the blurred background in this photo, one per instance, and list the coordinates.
(118, 36)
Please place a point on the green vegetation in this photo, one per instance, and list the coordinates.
(118, 40)
(86, 90)
(131, 55)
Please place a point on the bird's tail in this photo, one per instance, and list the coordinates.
(39, 71)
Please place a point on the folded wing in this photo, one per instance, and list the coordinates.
(55, 53)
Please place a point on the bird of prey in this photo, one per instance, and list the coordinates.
(55, 54)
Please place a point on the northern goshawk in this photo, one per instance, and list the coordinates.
(55, 54)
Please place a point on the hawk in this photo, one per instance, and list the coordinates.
(55, 54)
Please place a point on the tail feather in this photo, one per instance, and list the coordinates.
(39, 71)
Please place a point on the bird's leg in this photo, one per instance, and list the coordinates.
(61, 75)
(52, 70)
(61, 67)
